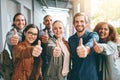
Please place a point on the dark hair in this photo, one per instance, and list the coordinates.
(17, 14)
(46, 17)
(112, 32)
(80, 14)
(27, 28)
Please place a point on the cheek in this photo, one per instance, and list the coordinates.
(54, 31)
(107, 34)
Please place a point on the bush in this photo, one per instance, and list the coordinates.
(118, 30)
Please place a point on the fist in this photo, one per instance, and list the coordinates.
(37, 49)
(14, 39)
(96, 47)
(56, 50)
(81, 50)
(45, 37)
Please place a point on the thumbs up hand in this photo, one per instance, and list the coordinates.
(14, 39)
(37, 49)
(81, 49)
(45, 37)
(56, 50)
(96, 47)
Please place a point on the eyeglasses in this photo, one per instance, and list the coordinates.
(31, 33)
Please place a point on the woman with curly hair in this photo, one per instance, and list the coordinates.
(107, 50)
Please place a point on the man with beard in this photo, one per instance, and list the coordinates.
(83, 59)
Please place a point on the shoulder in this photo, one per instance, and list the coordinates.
(20, 45)
(92, 34)
(10, 31)
(72, 37)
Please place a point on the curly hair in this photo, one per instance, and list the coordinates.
(113, 35)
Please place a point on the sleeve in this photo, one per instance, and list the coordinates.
(91, 36)
(108, 48)
(21, 52)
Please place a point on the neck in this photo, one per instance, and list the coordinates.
(26, 42)
(79, 34)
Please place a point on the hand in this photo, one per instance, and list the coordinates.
(96, 47)
(37, 49)
(57, 50)
(45, 37)
(81, 49)
(14, 39)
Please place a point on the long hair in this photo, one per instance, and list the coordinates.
(27, 28)
(113, 36)
(17, 14)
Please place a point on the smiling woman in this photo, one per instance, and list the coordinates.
(58, 55)
(24, 53)
(107, 52)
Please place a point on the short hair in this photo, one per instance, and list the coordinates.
(80, 14)
(46, 16)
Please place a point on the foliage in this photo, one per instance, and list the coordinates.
(105, 10)
(118, 30)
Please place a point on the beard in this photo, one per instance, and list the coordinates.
(80, 30)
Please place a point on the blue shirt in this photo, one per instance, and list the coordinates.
(83, 68)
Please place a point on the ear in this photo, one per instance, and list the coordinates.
(24, 33)
(44, 22)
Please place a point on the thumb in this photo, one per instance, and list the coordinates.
(15, 31)
(57, 43)
(46, 32)
(80, 42)
(39, 43)
(94, 41)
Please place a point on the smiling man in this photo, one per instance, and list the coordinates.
(83, 58)
(15, 35)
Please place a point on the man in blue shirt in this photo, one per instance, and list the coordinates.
(83, 57)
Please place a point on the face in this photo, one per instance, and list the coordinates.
(19, 22)
(48, 22)
(58, 29)
(79, 23)
(31, 35)
(104, 31)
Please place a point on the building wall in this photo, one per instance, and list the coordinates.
(3, 22)
(39, 13)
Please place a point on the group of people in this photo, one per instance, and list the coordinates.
(46, 55)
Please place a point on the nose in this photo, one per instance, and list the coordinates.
(79, 23)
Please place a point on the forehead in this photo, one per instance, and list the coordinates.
(104, 26)
(58, 24)
(32, 30)
(77, 18)
(19, 17)
(48, 18)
